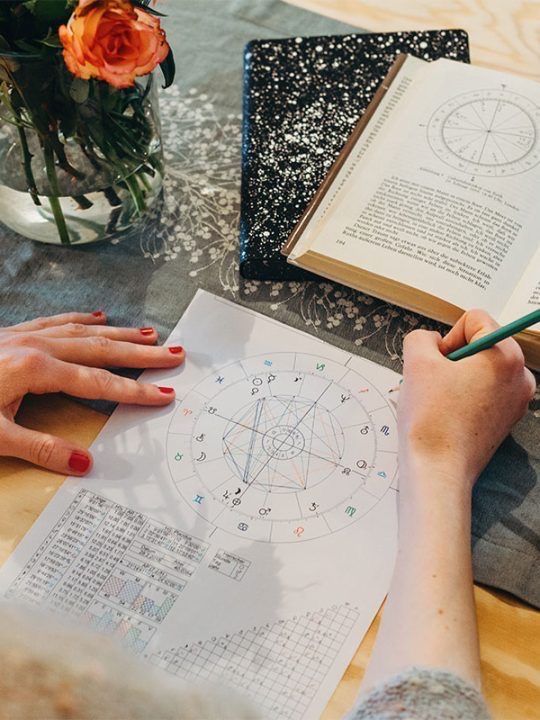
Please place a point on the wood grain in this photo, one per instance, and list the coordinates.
(504, 34)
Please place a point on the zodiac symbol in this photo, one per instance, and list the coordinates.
(243, 526)
(236, 501)
(361, 464)
(382, 474)
(297, 379)
(254, 391)
(271, 378)
(268, 363)
(186, 412)
(201, 457)
(364, 430)
(220, 380)
(257, 381)
(200, 437)
(226, 495)
(344, 398)
(264, 511)
(313, 507)
(212, 410)
(238, 491)
(346, 471)
(350, 510)
(198, 499)
(320, 366)
(385, 430)
(178, 456)
(298, 531)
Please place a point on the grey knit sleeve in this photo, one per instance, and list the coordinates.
(422, 694)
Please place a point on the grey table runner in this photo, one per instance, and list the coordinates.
(191, 241)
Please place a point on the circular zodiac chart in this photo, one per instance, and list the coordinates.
(283, 447)
(487, 132)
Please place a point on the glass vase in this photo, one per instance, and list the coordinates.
(91, 175)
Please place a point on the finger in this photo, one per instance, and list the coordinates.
(93, 383)
(471, 325)
(142, 336)
(100, 351)
(419, 346)
(531, 381)
(95, 318)
(45, 450)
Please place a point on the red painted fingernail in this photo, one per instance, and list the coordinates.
(147, 331)
(98, 313)
(166, 390)
(176, 350)
(79, 462)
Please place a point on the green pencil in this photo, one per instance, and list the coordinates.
(496, 336)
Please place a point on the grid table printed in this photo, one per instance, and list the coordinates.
(280, 665)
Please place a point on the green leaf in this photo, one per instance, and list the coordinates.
(168, 68)
(52, 40)
(79, 90)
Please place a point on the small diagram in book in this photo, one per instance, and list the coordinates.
(490, 132)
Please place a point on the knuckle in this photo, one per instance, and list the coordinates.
(411, 337)
(100, 344)
(104, 380)
(33, 360)
(40, 323)
(75, 329)
(42, 449)
(23, 340)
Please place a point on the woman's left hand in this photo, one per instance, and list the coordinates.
(67, 353)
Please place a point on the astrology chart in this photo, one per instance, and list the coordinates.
(491, 132)
(246, 533)
(283, 447)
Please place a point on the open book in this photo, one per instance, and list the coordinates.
(434, 202)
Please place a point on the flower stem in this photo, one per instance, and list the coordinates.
(27, 164)
(54, 197)
(136, 194)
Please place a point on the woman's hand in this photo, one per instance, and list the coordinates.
(66, 353)
(451, 418)
(454, 415)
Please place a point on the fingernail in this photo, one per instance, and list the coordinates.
(166, 390)
(79, 462)
(147, 331)
(98, 313)
(176, 350)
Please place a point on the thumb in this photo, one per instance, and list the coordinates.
(471, 326)
(47, 451)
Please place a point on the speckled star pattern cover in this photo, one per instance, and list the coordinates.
(302, 98)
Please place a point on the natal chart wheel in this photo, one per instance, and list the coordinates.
(283, 447)
(487, 132)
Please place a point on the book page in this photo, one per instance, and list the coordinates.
(526, 296)
(443, 197)
(244, 534)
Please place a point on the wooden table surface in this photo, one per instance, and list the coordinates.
(504, 34)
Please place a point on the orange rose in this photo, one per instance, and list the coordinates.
(112, 41)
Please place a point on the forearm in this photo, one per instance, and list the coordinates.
(429, 618)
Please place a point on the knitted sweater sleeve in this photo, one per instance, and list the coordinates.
(422, 694)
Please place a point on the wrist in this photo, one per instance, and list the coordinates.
(428, 478)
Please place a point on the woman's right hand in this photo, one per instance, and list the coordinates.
(67, 353)
(454, 415)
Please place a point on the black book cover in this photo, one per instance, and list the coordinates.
(302, 99)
